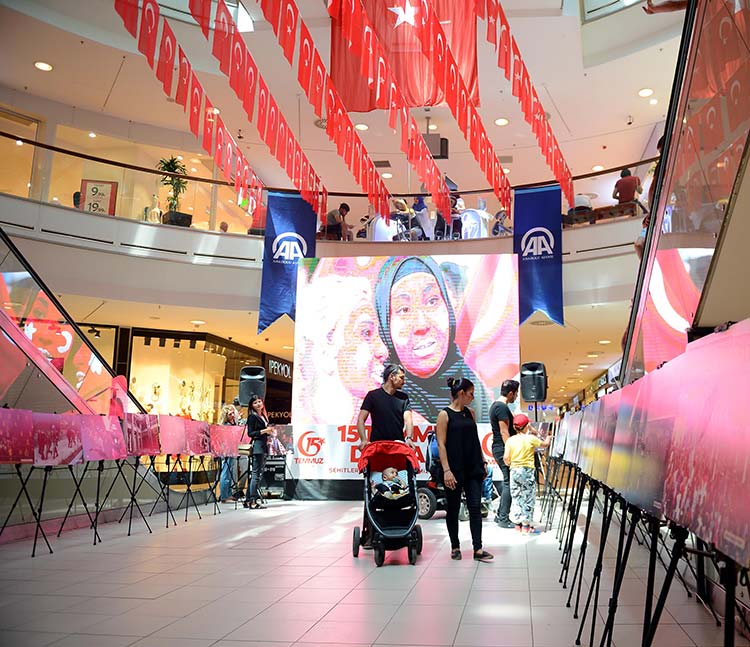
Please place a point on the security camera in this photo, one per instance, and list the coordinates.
(239, 134)
(630, 120)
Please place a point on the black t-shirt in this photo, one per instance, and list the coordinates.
(462, 445)
(386, 414)
(499, 411)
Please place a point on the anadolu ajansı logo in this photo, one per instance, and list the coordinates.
(289, 247)
(537, 242)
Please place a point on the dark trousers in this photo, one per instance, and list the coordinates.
(259, 462)
(503, 510)
(473, 490)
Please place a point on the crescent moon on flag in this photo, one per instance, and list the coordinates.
(150, 17)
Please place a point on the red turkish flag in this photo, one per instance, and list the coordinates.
(463, 106)
(711, 127)
(503, 43)
(288, 28)
(201, 12)
(400, 31)
(221, 137)
(474, 123)
(369, 52)
(237, 73)
(394, 103)
(128, 11)
(271, 9)
(183, 80)
(357, 159)
(251, 81)
(149, 29)
(272, 124)
(222, 45)
(229, 147)
(382, 75)
(517, 69)
(167, 51)
(281, 141)
(482, 147)
(291, 143)
(318, 84)
(525, 98)
(196, 101)
(352, 24)
(208, 127)
(323, 202)
(438, 56)
(452, 81)
(340, 124)
(306, 55)
(297, 170)
(738, 97)
(262, 108)
(404, 120)
(348, 143)
(240, 159)
(481, 12)
(492, 22)
(305, 176)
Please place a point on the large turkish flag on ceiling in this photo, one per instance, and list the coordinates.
(398, 26)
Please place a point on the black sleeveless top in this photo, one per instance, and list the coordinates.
(462, 445)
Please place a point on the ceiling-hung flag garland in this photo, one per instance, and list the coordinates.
(509, 60)
(374, 67)
(320, 90)
(235, 60)
(190, 93)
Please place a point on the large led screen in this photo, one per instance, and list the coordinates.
(438, 316)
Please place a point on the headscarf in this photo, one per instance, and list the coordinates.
(428, 395)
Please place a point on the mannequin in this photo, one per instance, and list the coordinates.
(155, 214)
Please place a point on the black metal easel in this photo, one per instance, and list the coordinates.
(77, 483)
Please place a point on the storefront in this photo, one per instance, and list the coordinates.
(278, 389)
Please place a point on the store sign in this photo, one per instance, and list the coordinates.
(98, 196)
(278, 369)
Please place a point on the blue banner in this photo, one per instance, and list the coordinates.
(290, 235)
(537, 239)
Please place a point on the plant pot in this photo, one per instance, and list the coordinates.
(177, 218)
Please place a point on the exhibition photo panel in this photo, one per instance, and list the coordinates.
(103, 438)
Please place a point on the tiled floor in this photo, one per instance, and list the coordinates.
(285, 576)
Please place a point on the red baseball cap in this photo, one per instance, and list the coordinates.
(520, 420)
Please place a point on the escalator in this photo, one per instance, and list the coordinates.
(47, 364)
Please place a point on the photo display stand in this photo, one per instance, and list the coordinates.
(198, 437)
(173, 434)
(224, 444)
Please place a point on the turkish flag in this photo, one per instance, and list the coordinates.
(222, 46)
(262, 108)
(394, 103)
(183, 80)
(368, 52)
(221, 137)
(270, 10)
(340, 124)
(492, 22)
(291, 142)
(525, 98)
(305, 176)
(348, 143)
(288, 28)
(297, 170)
(352, 24)
(318, 84)
(306, 55)
(272, 124)
(281, 141)
(167, 51)
(382, 74)
(738, 97)
(711, 127)
(517, 69)
(237, 73)
(404, 120)
(452, 81)
(149, 29)
(251, 81)
(474, 123)
(201, 12)
(229, 147)
(503, 43)
(238, 173)
(438, 56)
(208, 127)
(196, 101)
(128, 11)
(357, 159)
(406, 46)
(463, 107)
(481, 11)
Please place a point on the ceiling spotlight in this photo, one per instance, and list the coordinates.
(179, 158)
(387, 176)
(653, 101)
(44, 67)
(193, 169)
(288, 347)
(592, 355)
(92, 135)
(432, 127)
(217, 111)
(584, 365)
(645, 92)
(506, 170)
(197, 322)
(194, 160)
(55, 199)
(604, 342)
(19, 142)
(361, 127)
(501, 121)
(597, 167)
(94, 332)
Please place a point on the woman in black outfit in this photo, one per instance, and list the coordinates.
(257, 431)
(463, 465)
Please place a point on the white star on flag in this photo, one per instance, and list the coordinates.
(405, 14)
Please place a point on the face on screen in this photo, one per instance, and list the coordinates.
(420, 323)
(363, 352)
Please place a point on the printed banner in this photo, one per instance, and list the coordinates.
(537, 240)
(290, 235)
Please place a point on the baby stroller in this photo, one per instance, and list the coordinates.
(392, 523)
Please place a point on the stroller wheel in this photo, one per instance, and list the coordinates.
(412, 552)
(418, 532)
(379, 553)
(356, 536)
(426, 503)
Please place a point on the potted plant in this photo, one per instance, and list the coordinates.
(177, 186)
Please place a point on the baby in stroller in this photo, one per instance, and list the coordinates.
(392, 486)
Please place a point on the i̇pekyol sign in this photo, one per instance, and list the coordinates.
(278, 369)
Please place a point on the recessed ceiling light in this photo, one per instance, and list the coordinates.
(179, 158)
(193, 169)
(216, 112)
(194, 160)
(92, 135)
(55, 199)
(597, 167)
(361, 127)
(44, 67)
(604, 342)
(387, 176)
(432, 127)
(19, 142)
(645, 92)
(584, 365)
(197, 322)
(288, 347)
(28, 185)
(653, 101)
(579, 370)
(592, 355)
(501, 121)
(506, 170)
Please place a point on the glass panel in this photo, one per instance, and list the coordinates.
(16, 158)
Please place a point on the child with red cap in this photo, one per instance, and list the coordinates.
(519, 456)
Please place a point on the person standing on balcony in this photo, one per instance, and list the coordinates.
(627, 187)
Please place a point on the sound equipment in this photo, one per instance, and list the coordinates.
(533, 382)
(252, 382)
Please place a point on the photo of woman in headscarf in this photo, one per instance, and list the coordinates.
(417, 323)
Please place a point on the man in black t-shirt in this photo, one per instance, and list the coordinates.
(501, 421)
(390, 410)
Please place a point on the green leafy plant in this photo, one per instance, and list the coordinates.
(177, 184)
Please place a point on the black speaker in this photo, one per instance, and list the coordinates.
(533, 382)
(252, 382)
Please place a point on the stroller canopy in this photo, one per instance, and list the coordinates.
(388, 453)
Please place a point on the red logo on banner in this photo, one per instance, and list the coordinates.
(310, 444)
